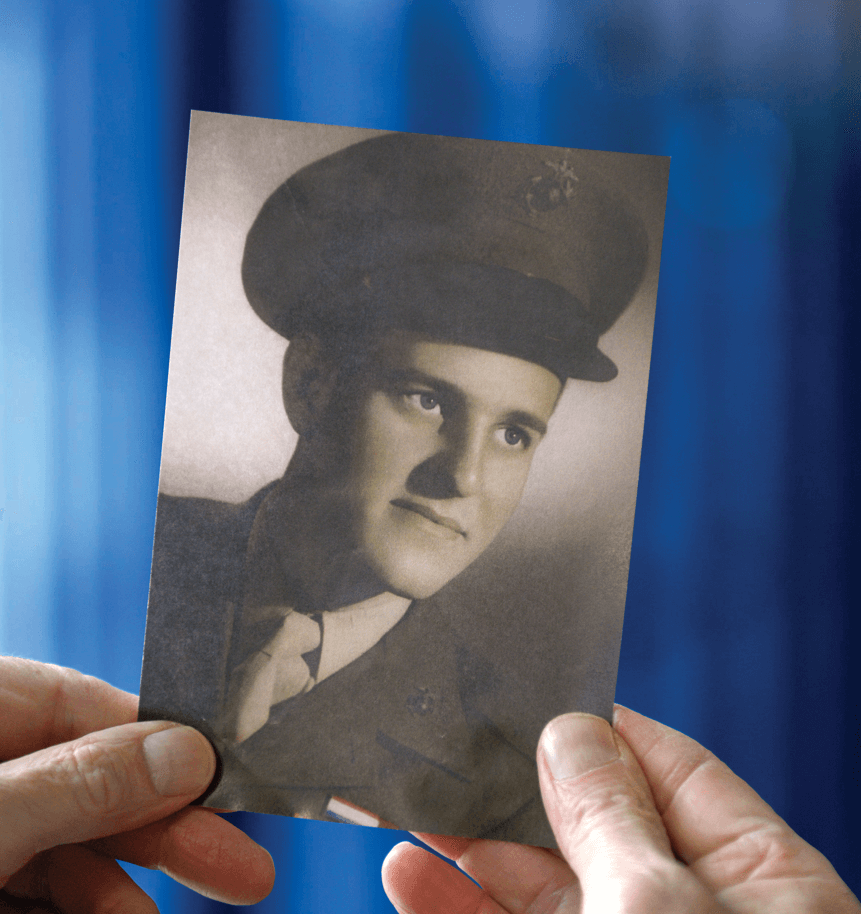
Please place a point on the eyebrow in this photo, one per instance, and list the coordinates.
(413, 375)
(533, 423)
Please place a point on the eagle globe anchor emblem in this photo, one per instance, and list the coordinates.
(421, 702)
(549, 191)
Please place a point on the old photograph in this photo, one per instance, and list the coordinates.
(405, 407)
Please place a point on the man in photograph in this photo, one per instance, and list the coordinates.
(437, 295)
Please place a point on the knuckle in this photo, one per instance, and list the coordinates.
(103, 779)
(767, 850)
(63, 688)
(779, 847)
(610, 807)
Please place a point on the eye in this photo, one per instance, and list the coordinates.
(425, 400)
(428, 401)
(514, 436)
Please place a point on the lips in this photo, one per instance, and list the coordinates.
(449, 523)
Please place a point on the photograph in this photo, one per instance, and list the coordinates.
(404, 415)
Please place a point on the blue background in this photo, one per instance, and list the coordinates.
(740, 627)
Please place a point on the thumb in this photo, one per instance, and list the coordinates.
(106, 782)
(606, 823)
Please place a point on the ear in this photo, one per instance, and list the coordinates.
(306, 385)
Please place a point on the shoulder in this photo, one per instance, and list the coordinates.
(197, 576)
(198, 535)
(179, 520)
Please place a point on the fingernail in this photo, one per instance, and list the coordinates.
(179, 760)
(577, 743)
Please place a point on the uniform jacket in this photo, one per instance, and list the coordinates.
(406, 731)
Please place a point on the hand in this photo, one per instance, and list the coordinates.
(647, 821)
(86, 785)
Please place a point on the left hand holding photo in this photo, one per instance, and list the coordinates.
(82, 786)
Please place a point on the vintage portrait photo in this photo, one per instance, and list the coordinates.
(405, 407)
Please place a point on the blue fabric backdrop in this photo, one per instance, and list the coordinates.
(740, 628)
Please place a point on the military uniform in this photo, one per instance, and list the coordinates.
(406, 731)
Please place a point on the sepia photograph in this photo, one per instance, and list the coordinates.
(405, 405)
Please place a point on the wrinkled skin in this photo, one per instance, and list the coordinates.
(77, 793)
(647, 821)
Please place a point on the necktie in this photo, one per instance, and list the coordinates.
(270, 675)
(279, 671)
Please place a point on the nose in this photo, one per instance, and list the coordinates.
(455, 469)
(463, 459)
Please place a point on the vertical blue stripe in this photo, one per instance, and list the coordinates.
(133, 318)
(75, 334)
(338, 60)
(27, 622)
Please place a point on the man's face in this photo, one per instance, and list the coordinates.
(443, 443)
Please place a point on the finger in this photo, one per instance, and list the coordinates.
(417, 882)
(453, 848)
(717, 823)
(41, 704)
(516, 876)
(202, 851)
(103, 783)
(76, 880)
(606, 823)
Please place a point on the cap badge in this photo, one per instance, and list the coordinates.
(550, 190)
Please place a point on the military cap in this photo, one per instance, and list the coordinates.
(518, 249)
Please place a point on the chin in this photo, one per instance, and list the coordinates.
(416, 579)
(414, 588)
